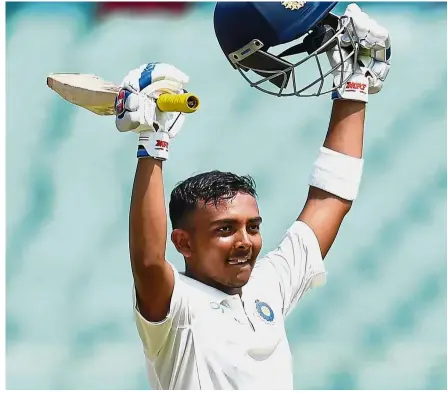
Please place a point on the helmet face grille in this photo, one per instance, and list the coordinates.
(284, 78)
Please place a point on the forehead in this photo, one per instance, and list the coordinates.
(241, 207)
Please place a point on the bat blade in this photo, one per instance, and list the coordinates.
(85, 90)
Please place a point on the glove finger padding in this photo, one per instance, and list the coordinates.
(164, 71)
(137, 114)
(136, 107)
(140, 78)
(342, 57)
(373, 38)
(372, 64)
(360, 24)
(348, 78)
(376, 72)
(130, 121)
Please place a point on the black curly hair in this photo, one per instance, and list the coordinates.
(209, 187)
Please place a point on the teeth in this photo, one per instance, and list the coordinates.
(237, 261)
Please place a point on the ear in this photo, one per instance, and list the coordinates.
(181, 240)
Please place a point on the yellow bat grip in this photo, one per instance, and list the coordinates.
(186, 102)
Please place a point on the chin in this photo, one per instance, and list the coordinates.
(234, 277)
(242, 277)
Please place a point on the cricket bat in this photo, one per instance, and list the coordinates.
(98, 96)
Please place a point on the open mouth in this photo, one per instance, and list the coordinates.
(240, 260)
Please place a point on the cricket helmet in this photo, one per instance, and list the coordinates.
(265, 39)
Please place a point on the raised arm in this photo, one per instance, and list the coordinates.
(153, 277)
(324, 211)
(136, 111)
(337, 171)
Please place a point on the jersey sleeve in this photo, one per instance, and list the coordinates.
(296, 263)
(155, 334)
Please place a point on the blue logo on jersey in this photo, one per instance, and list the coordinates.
(264, 311)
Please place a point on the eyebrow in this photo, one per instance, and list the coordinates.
(232, 221)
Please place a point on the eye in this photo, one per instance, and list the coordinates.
(254, 227)
(224, 230)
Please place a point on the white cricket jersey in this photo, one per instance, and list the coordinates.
(211, 340)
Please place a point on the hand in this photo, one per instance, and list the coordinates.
(367, 74)
(137, 110)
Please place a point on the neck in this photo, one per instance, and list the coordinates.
(212, 283)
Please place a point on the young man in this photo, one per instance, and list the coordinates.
(220, 325)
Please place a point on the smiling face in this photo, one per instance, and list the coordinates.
(221, 242)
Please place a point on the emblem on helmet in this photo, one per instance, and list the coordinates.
(293, 5)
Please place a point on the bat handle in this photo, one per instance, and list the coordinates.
(185, 102)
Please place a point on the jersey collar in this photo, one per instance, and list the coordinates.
(217, 295)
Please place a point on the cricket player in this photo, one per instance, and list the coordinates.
(220, 324)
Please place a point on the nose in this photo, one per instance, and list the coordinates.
(243, 242)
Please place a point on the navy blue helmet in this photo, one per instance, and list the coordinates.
(272, 40)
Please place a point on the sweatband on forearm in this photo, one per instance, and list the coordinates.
(337, 173)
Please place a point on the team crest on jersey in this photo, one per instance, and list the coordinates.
(293, 5)
(264, 311)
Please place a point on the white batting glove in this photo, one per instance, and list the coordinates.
(372, 67)
(136, 109)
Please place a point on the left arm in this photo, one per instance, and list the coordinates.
(337, 171)
(297, 261)
(323, 212)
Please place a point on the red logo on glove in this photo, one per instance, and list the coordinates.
(356, 86)
(161, 145)
(119, 102)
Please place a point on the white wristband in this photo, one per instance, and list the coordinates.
(337, 173)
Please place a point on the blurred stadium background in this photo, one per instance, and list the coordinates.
(379, 323)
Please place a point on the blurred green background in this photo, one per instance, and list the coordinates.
(379, 323)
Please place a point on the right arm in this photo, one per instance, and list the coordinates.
(160, 303)
(153, 276)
